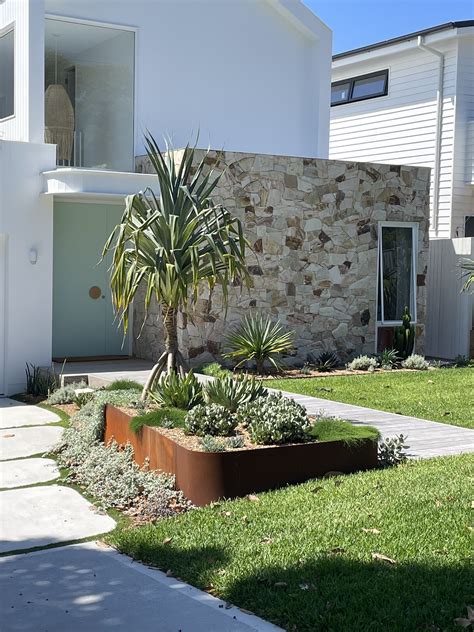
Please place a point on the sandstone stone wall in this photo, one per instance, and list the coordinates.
(313, 226)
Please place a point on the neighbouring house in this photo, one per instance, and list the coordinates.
(410, 101)
(90, 77)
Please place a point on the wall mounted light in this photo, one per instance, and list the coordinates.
(33, 256)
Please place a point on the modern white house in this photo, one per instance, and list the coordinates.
(410, 100)
(80, 81)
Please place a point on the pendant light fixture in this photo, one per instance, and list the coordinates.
(59, 116)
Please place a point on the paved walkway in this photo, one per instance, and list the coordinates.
(425, 438)
(86, 586)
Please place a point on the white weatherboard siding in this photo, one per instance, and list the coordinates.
(239, 71)
(400, 128)
(463, 171)
(26, 223)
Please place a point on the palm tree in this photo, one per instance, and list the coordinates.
(468, 266)
(172, 243)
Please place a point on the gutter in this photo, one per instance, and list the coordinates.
(439, 128)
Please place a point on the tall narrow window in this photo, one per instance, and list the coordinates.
(397, 272)
(7, 74)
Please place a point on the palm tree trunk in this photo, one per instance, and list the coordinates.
(171, 359)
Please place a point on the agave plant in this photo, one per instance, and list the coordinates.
(176, 391)
(327, 361)
(232, 393)
(258, 339)
(173, 243)
(467, 265)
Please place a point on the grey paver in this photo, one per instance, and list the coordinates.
(27, 472)
(14, 414)
(16, 443)
(88, 587)
(37, 516)
(425, 438)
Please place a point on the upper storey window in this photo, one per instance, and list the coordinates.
(7, 72)
(89, 94)
(360, 88)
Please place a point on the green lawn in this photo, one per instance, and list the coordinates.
(445, 395)
(302, 556)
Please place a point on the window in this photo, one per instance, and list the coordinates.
(360, 88)
(469, 226)
(7, 74)
(396, 281)
(89, 94)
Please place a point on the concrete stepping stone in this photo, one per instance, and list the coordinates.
(27, 472)
(91, 587)
(16, 443)
(14, 414)
(37, 516)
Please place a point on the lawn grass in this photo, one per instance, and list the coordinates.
(124, 385)
(300, 556)
(445, 395)
(174, 416)
(339, 430)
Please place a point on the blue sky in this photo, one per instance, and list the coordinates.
(360, 22)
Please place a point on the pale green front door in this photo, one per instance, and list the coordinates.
(84, 324)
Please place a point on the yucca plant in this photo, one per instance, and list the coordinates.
(233, 392)
(260, 340)
(327, 361)
(467, 266)
(172, 243)
(176, 391)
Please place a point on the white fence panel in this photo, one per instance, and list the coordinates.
(449, 319)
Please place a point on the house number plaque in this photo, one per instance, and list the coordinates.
(95, 292)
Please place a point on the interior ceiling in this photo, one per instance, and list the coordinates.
(74, 38)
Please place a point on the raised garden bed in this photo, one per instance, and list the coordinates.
(205, 477)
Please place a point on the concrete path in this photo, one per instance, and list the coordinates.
(91, 587)
(425, 438)
(14, 414)
(16, 443)
(27, 472)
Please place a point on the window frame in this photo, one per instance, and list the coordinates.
(466, 219)
(10, 28)
(413, 299)
(352, 80)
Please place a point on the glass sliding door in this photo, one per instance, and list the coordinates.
(89, 94)
(396, 272)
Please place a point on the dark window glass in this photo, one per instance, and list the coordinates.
(340, 92)
(359, 88)
(7, 74)
(469, 226)
(369, 87)
(396, 284)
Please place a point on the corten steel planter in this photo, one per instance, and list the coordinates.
(204, 477)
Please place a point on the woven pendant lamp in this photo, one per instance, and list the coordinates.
(59, 117)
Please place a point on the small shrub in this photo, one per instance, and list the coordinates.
(306, 369)
(211, 444)
(416, 362)
(461, 361)
(174, 391)
(258, 340)
(124, 385)
(404, 336)
(210, 420)
(327, 361)
(163, 418)
(392, 451)
(232, 393)
(274, 420)
(332, 429)
(65, 394)
(81, 399)
(235, 442)
(40, 382)
(389, 359)
(214, 369)
(362, 363)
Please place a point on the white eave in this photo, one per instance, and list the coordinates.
(95, 185)
(302, 18)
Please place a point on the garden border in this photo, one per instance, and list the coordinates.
(205, 477)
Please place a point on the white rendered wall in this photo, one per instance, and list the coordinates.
(26, 222)
(239, 71)
(400, 128)
(27, 124)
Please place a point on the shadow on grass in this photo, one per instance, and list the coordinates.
(331, 593)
